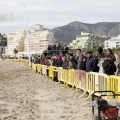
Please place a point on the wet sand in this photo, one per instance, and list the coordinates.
(26, 95)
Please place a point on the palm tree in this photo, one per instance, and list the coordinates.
(15, 52)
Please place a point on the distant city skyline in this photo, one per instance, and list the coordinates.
(54, 13)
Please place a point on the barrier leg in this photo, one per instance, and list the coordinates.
(84, 94)
(76, 90)
(72, 89)
(89, 97)
(65, 85)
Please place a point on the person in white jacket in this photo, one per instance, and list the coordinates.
(101, 60)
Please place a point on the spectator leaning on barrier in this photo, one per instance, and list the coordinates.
(54, 61)
(73, 58)
(68, 56)
(59, 61)
(101, 59)
(72, 64)
(96, 60)
(65, 62)
(83, 66)
(48, 61)
(38, 60)
(89, 63)
(79, 58)
(110, 53)
(108, 64)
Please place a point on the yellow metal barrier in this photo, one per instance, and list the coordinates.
(96, 82)
(65, 76)
(60, 74)
(70, 79)
(88, 82)
(52, 71)
(15, 60)
(34, 66)
(26, 61)
(80, 80)
(44, 69)
(114, 84)
(18, 60)
(6, 59)
(39, 68)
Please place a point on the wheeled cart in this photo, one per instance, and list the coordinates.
(106, 109)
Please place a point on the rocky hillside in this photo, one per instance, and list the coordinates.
(103, 30)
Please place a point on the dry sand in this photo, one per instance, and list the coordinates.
(25, 95)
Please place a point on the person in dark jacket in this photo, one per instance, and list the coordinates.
(72, 64)
(96, 59)
(54, 61)
(108, 65)
(79, 58)
(89, 63)
(73, 58)
(83, 66)
(59, 61)
(110, 53)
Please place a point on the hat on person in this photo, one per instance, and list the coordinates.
(89, 52)
(71, 54)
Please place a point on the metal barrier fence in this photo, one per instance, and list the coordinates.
(39, 68)
(114, 84)
(34, 66)
(44, 69)
(80, 80)
(71, 75)
(61, 74)
(88, 82)
(96, 82)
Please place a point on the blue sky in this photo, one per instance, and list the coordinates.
(54, 13)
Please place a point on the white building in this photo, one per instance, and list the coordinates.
(15, 40)
(112, 43)
(39, 39)
(85, 40)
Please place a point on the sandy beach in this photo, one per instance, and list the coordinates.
(26, 95)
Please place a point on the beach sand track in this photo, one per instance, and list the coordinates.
(25, 95)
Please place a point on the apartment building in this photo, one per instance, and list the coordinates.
(84, 40)
(112, 43)
(39, 39)
(15, 40)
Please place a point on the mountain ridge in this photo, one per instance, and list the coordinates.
(103, 30)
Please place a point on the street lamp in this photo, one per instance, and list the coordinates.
(27, 33)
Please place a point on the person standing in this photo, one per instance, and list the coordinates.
(65, 62)
(79, 59)
(109, 66)
(101, 58)
(109, 52)
(98, 60)
(89, 63)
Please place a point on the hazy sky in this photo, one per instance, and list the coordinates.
(54, 13)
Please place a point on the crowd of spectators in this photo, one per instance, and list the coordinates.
(102, 61)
